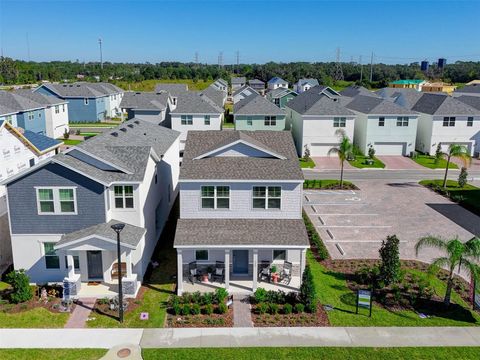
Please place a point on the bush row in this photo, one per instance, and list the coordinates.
(315, 238)
(196, 309)
(273, 308)
(217, 297)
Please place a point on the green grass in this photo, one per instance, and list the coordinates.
(228, 125)
(359, 162)
(149, 85)
(332, 289)
(89, 133)
(429, 162)
(324, 353)
(64, 354)
(324, 184)
(71, 142)
(469, 196)
(4, 286)
(306, 164)
(34, 318)
(93, 124)
(341, 84)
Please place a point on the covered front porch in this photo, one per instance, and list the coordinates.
(92, 261)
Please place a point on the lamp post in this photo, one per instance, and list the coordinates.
(118, 229)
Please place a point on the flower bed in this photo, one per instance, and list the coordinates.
(103, 306)
(200, 310)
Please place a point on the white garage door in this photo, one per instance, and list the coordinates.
(388, 149)
(445, 146)
(320, 149)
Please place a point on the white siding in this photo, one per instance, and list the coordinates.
(198, 124)
(57, 123)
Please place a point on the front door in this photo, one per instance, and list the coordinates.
(95, 266)
(240, 261)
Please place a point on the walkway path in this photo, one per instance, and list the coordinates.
(242, 337)
(81, 312)
(242, 313)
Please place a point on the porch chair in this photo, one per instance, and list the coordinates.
(192, 272)
(264, 271)
(219, 273)
(114, 273)
(286, 274)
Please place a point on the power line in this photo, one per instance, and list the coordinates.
(361, 67)
(220, 59)
(371, 67)
(101, 55)
(196, 58)
(338, 74)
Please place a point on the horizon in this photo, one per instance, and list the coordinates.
(128, 39)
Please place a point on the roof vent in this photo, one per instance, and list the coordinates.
(138, 93)
(130, 126)
(114, 134)
(123, 129)
(137, 122)
(78, 85)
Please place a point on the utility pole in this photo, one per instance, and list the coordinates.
(237, 55)
(371, 67)
(101, 55)
(361, 67)
(338, 74)
(220, 60)
(196, 58)
(28, 47)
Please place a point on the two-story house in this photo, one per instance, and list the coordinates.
(387, 127)
(314, 117)
(242, 93)
(87, 102)
(276, 82)
(175, 90)
(257, 85)
(240, 205)
(148, 106)
(238, 82)
(281, 96)
(61, 210)
(195, 111)
(303, 85)
(254, 112)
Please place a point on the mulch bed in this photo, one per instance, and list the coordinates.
(320, 318)
(103, 307)
(201, 320)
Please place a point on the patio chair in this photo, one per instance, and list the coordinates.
(264, 271)
(193, 272)
(286, 274)
(219, 273)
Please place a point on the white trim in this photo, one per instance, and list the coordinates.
(56, 200)
(215, 198)
(56, 161)
(240, 141)
(114, 242)
(245, 247)
(124, 207)
(266, 198)
(208, 255)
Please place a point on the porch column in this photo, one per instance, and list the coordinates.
(227, 269)
(303, 259)
(71, 266)
(179, 272)
(255, 269)
(128, 263)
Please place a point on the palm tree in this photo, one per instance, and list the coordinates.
(458, 254)
(343, 151)
(457, 151)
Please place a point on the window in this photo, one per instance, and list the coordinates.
(402, 121)
(52, 261)
(123, 196)
(270, 120)
(63, 107)
(57, 109)
(339, 122)
(201, 255)
(276, 101)
(76, 262)
(381, 121)
(31, 115)
(215, 197)
(31, 162)
(279, 255)
(470, 121)
(249, 121)
(85, 101)
(187, 120)
(449, 121)
(56, 201)
(267, 197)
(8, 119)
(206, 120)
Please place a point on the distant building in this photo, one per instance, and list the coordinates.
(281, 96)
(148, 106)
(238, 82)
(257, 113)
(256, 84)
(408, 84)
(304, 84)
(276, 82)
(438, 87)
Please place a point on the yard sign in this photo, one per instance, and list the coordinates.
(364, 299)
(476, 294)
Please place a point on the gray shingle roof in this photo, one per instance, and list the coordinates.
(130, 235)
(214, 94)
(469, 89)
(239, 80)
(15, 103)
(174, 89)
(473, 101)
(241, 232)
(4, 110)
(247, 89)
(83, 89)
(377, 106)
(315, 102)
(277, 80)
(280, 92)
(312, 82)
(440, 104)
(355, 90)
(222, 81)
(40, 99)
(256, 105)
(256, 82)
(145, 100)
(194, 103)
(240, 168)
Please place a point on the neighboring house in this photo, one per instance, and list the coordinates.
(446, 120)
(257, 113)
(19, 150)
(276, 82)
(175, 90)
(238, 82)
(221, 84)
(387, 127)
(242, 93)
(408, 84)
(149, 106)
(240, 204)
(219, 97)
(473, 82)
(126, 175)
(281, 96)
(257, 85)
(314, 116)
(469, 90)
(303, 85)
(355, 90)
(87, 102)
(195, 111)
(403, 97)
(438, 87)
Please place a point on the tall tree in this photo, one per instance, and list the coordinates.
(456, 151)
(390, 260)
(344, 150)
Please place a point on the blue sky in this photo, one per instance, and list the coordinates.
(154, 31)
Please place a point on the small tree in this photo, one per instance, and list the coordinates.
(306, 154)
(371, 152)
(66, 134)
(457, 151)
(462, 177)
(20, 283)
(390, 260)
(307, 290)
(344, 150)
(438, 154)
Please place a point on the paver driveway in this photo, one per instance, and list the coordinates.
(399, 163)
(330, 163)
(357, 221)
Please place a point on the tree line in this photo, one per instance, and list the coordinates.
(23, 72)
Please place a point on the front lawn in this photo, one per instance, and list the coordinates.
(429, 162)
(328, 185)
(34, 318)
(360, 162)
(71, 142)
(64, 354)
(468, 196)
(306, 164)
(228, 125)
(325, 353)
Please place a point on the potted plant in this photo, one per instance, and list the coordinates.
(273, 271)
(209, 272)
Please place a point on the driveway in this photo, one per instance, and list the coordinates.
(330, 163)
(356, 222)
(399, 163)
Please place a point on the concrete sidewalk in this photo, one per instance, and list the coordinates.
(242, 337)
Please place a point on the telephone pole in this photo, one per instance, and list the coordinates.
(338, 74)
(28, 47)
(237, 56)
(220, 60)
(196, 58)
(371, 67)
(101, 55)
(361, 67)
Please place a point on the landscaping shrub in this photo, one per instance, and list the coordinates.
(208, 310)
(299, 308)
(221, 295)
(222, 308)
(177, 309)
(260, 295)
(371, 152)
(315, 238)
(291, 298)
(277, 297)
(462, 177)
(66, 134)
(390, 260)
(186, 298)
(195, 309)
(307, 289)
(207, 298)
(287, 308)
(20, 283)
(196, 297)
(185, 309)
(311, 307)
(273, 308)
(262, 308)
